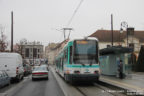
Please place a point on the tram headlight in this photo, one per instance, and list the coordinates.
(97, 72)
(77, 72)
(67, 72)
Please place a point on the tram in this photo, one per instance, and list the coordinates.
(78, 60)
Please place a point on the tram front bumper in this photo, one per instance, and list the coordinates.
(83, 77)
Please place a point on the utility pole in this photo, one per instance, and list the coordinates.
(64, 30)
(112, 27)
(12, 31)
(2, 42)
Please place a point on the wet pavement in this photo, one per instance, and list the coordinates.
(138, 76)
(36, 88)
(56, 86)
(133, 84)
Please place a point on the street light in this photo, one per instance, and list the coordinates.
(121, 30)
(124, 25)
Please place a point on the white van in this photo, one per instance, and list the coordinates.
(12, 64)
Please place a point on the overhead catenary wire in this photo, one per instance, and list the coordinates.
(76, 10)
(69, 22)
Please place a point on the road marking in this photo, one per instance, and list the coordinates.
(127, 85)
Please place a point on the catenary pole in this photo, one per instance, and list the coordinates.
(12, 31)
(112, 27)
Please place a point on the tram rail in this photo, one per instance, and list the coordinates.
(100, 89)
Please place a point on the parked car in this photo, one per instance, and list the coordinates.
(4, 78)
(40, 72)
(27, 69)
(12, 64)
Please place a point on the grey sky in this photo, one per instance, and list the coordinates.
(38, 19)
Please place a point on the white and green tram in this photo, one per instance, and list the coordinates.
(79, 60)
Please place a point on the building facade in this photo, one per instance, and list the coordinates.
(52, 50)
(32, 50)
(134, 40)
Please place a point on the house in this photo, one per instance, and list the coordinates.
(32, 50)
(134, 40)
(52, 50)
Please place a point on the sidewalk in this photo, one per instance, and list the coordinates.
(138, 75)
(134, 84)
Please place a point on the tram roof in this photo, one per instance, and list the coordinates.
(89, 38)
(86, 38)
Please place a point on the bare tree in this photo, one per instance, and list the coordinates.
(18, 47)
(3, 42)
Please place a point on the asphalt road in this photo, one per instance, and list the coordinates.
(37, 88)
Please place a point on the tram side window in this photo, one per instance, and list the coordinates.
(59, 63)
(67, 53)
(65, 56)
(70, 54)
(56, 63)
(62, 59)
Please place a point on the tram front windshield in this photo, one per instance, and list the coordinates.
(85, 52)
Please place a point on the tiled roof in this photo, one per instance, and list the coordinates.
(60, 44)
(106, 35)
